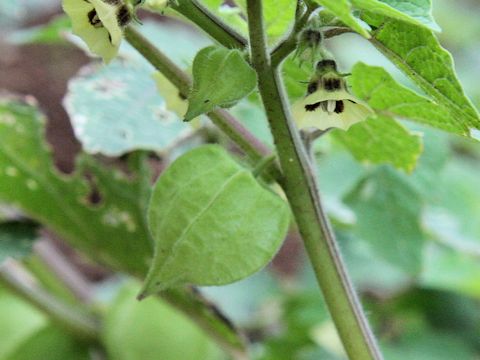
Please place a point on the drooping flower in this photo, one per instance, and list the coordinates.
(328, 103)
(100, 23)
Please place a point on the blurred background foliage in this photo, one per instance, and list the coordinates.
(411, 241)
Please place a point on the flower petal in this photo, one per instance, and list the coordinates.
(351, 113)
(101, 40)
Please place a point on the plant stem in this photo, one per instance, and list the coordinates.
(78, 322)
(206, 316)
(301, 190)
(63, 270)
(215, 27)
(245, 140)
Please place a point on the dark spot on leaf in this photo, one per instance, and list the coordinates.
(206, 101)
(94, 197)
(352, 101)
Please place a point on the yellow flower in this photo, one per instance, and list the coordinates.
(99, 23)
(329, 104)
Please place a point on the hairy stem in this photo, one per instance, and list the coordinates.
(301, 189)
(215, 27)
(78, 322)
(245, 140)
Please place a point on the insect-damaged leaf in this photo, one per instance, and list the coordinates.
(221, 77)
(112, 232)
(212, 222)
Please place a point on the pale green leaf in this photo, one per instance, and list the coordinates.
(427, 344)
(212, 222)
(221, 77)
(447, 268)
(19, 322)
(417, 52)
(16, 239)
(50, 343)
(388, 218)
(388, 97)
(116, 109)
(278, 14)
(382, 140)
(152, 329)
(112, 231)
(343, 10)
(231, 15)
(418, 12)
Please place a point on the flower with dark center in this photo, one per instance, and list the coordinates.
(328, 103)
(100, 23)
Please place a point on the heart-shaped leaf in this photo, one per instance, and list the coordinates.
(212, 222)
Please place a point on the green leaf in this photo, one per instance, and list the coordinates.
(388, 97)
(112, 231)
(429, 345)
(382, 140)
(417, 12)
(232, 15)
(279, 16)
(151, 329)
(50, 343)
(221, 77)
(447, 268)
(19, 322)
(212, 222)
(116, 109)
(343, 10)
(388, 217)
(417, 52)
(277, 21)
(16, 239)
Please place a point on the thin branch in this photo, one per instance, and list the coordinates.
(209, 22)
(78, 322)
(301, 190)
(240, 135)
(64, 270)
(210, 319)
